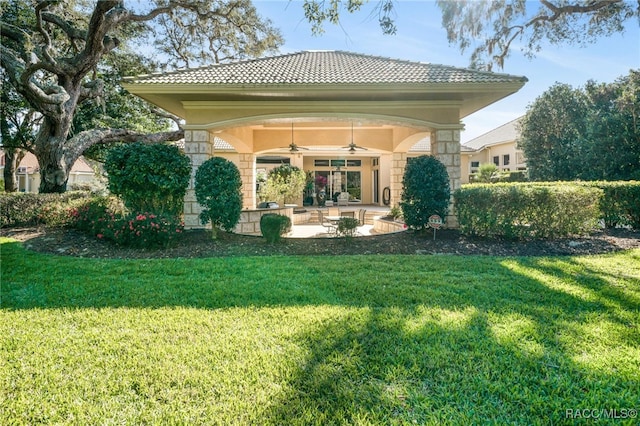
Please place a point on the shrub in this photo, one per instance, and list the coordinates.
(106, 218)
(29, 209)
(143, 230)
(522, 211)
(285, 183)
(487, 172)
(96, 214)
(347, 227)
(273, 226)
(150, 178)
(218, 190)
(620, 203)
(426, 191)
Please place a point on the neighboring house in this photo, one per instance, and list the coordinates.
(28, 173)
(352, 119)
(497, 146)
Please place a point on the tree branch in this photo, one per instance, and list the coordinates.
(67, 27)
(558, 11)
(84, 140)
(45, 34)
(91, 89)
(165, 114)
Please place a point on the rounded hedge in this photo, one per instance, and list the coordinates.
(218, 190)
(426, 191)
(149, 178)
(273, 226)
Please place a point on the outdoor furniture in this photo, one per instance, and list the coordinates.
(333, 211)
(361, 220)
(347, 213)
(343, 199)
(324, 220)
(361, 216)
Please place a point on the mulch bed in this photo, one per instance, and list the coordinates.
(198, 244)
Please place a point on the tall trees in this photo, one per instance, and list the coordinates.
(490, 27)
(589, 133)
(553, 132)
(52, 52)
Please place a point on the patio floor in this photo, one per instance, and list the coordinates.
(315, 230)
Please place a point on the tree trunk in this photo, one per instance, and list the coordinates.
(12, 159)
(50, 146)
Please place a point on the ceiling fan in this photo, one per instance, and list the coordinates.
(352, 146)
(293, 147)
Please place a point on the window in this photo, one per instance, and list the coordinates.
(337, 163)
(496, 160)
(505, 160)
(354, 163)
(321, 163)
(475, 164)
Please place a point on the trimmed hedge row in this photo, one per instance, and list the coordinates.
(528, 210)
(620, 203)
(29, 209)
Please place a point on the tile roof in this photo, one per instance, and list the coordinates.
(506, 133)
(324, 67)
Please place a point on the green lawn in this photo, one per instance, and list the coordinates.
(317, 340)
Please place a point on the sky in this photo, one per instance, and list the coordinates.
(420, 37)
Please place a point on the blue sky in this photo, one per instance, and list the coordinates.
(420, 37)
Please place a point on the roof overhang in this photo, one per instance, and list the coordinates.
(468, 97)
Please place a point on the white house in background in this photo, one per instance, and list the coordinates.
(28, 173)
(497, 146)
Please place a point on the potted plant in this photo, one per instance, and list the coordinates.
(308, 190)
(321, 195)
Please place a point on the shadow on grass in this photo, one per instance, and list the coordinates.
(423, 339)
(448, 367)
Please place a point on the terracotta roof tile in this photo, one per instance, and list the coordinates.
(324, 67)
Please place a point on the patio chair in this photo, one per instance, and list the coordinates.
(361, 220)
(343, 199)
(331, 227)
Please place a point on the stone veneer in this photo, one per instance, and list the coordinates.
(198, 146)
(388, 226)
(445, 146)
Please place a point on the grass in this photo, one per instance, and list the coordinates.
(308, 340)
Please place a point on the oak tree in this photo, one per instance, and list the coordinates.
(52, 57)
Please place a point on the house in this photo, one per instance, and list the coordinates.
(353, 119)
(498, 146)
(28, 173)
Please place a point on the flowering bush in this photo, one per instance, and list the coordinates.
(144, 230)
(106, 219)
(95, 214)
(321, 181)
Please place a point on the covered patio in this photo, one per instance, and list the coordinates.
(350, 120)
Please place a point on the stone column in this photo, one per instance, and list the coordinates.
(198, 145)
(398, 163)
(247, 167)
(445, 146)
